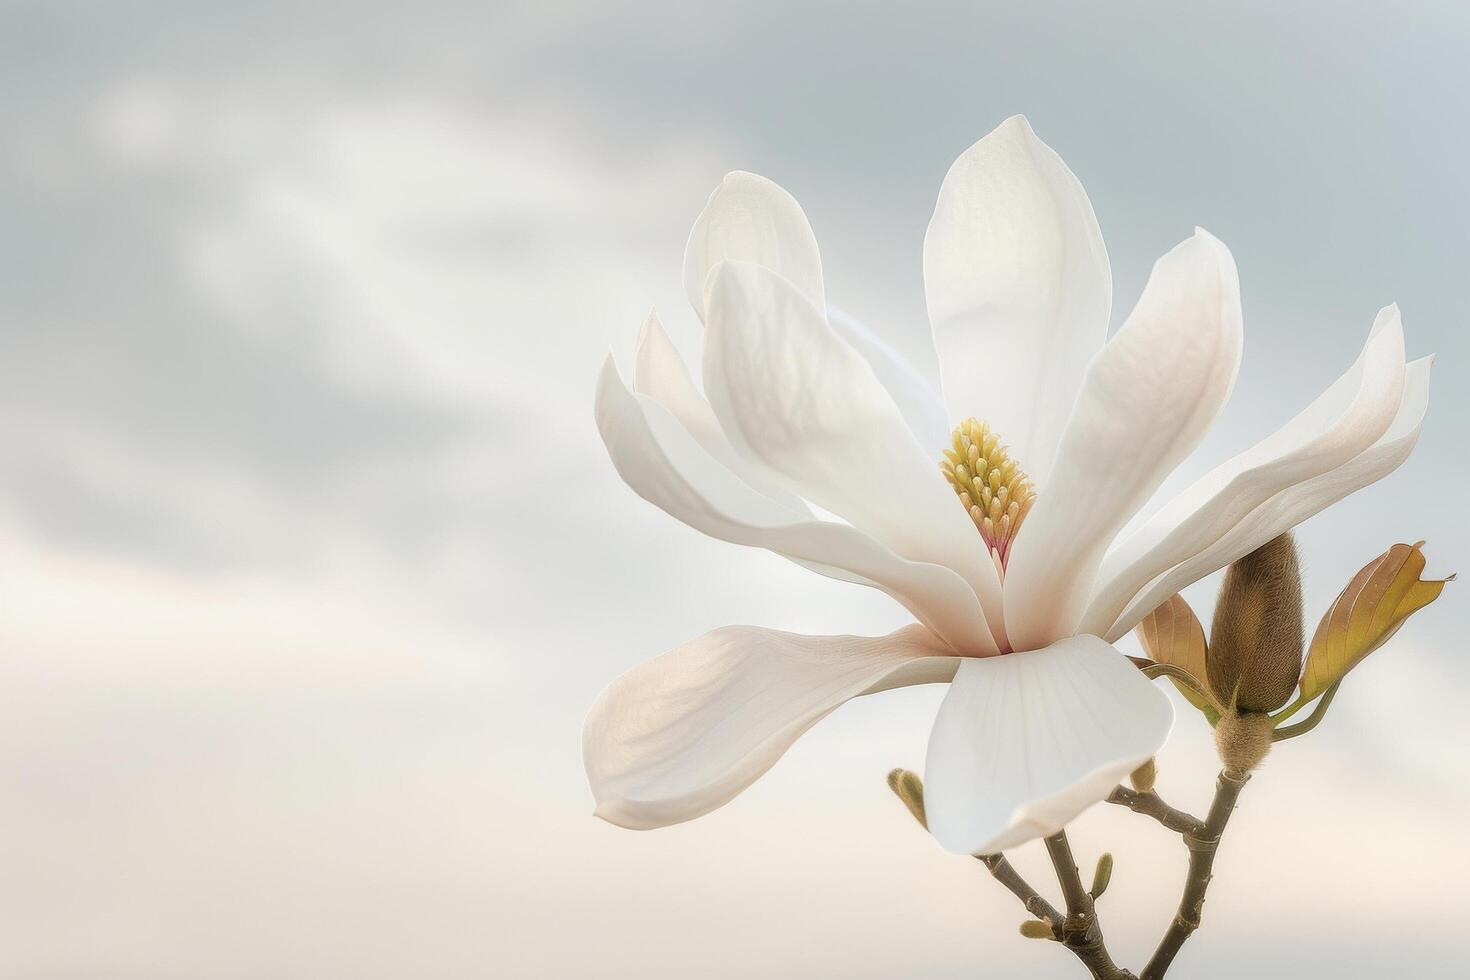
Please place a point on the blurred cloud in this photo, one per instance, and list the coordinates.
(310, 559)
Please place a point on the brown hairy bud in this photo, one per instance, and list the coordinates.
(1255, 653)
(1038, 929)
(1243, 740)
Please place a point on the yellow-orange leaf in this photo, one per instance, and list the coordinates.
(1383, 594)
(1171, 634)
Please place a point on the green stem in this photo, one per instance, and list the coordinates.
(1306, 724)
(1182, 676)
(1290, 709)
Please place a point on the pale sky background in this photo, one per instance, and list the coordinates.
(311, 559)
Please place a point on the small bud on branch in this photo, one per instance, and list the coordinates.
(909, 788)
(1142, 778)
(1102, 876)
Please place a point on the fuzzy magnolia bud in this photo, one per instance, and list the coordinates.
(1255, 654)
(1037, 929)
(1242, 741)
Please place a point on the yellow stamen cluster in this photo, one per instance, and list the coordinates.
(995, 492)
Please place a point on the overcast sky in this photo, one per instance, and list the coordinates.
(311, 560)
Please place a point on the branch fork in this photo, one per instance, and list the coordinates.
(1203, 843)
(1078, 928)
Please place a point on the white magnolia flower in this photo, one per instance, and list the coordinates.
(1017, 600)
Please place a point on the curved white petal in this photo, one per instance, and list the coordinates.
(918, 400)
(659, 372)
(682, 734)
(666, 466)
(794, 395)
(1027, 741)
(1295, 504)
(1019, 290)
(751, 219)
(1341, 423)
(1146, 403)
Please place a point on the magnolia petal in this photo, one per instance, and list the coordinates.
(684, 733)
(1172, 634)
(1366, 614)
(1146, 403)
(1026, 742)
(666, 466)
(917, 399)
(660, 373)
(1341, 423)
(794, 395)
(1295, 504)
(1019, 290)
(751, 219)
